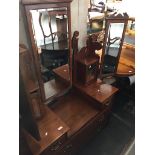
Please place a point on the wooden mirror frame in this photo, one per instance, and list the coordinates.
(45, 4)
(114, 18)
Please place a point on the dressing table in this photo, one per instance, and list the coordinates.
(73, 112)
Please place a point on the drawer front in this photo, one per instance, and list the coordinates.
(52, 149)
(82, 137)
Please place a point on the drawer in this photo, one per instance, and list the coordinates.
(83, 136)
(52, 149)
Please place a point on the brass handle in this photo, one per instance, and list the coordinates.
(67, 147)
(107, 103)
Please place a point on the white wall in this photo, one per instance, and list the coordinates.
(79, 10)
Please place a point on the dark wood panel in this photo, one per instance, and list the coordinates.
(84, 135)
(26, 68)
(54, 87)
(75, 111)
(25, 110)
(62, 73)
(98, 91)
(23, 144)
(51, 129)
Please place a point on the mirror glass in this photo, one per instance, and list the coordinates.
(112, 43)
(50, 31)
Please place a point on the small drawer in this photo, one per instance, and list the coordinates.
(51, 150)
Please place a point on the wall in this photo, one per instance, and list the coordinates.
(79, 10)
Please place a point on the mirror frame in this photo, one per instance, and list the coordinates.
(45, 4)
(114, 18)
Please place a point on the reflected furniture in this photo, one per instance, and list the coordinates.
(68, 120)
(126, 65)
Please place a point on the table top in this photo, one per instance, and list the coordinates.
(126, 66)
(63, 72)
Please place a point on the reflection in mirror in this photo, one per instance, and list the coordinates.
(50, 28)
(113, 40)
(115, 32)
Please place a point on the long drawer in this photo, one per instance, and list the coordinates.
(84, 135)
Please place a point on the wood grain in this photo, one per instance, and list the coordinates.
(98, 91)
(62, 73)
(54, 87)
(75, 111)
(49, 131)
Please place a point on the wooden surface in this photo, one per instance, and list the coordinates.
(126, 66)
(88, 61)
(49, 130)
(98, 91)
(62, 73)
(54, 87)
(75, 111)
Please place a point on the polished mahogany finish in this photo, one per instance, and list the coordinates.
(51, 129)
(98, 91)
(71, 120)
(87, 62)
(62, 73)
(88, 68)
(75, 111)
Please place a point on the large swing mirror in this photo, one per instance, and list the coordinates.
(113, 40)
(49, 28)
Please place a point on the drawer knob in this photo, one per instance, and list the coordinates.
(67, 148)
(107, 104)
